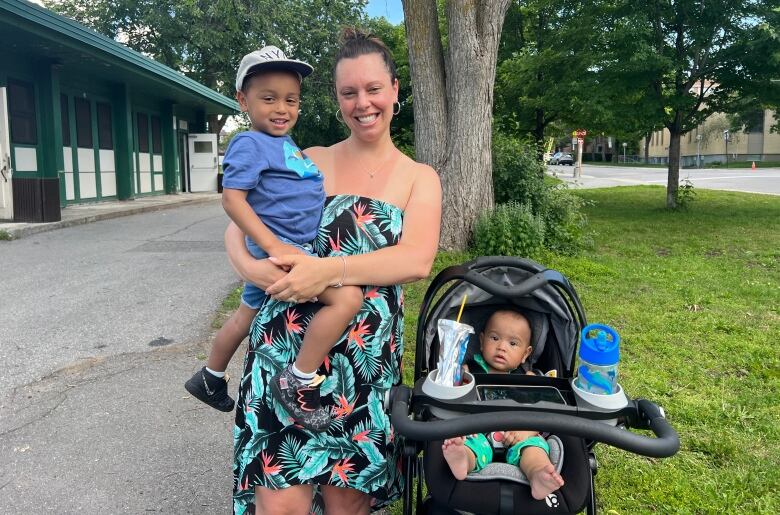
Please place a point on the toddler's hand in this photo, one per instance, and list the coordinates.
(513, 437)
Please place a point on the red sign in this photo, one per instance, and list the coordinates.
(581, 133)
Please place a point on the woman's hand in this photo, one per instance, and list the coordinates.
(307, 278)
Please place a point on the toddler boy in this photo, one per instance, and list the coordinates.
(275, 194)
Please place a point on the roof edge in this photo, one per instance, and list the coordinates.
(105, 45)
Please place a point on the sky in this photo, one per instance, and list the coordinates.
(390, 9)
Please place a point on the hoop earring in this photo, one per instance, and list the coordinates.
(396, 111)
(340, 119)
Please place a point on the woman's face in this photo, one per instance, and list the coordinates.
(366, 95)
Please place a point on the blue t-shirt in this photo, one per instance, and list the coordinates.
(284, 187)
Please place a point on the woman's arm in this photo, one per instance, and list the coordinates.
(260, 272)
(411, 259)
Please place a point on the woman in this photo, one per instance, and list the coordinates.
(380, 227)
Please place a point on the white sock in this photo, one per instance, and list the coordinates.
(215, 373)
(305, 377)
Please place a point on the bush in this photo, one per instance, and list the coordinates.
(533, 203)
(511, 229)
(518, 173)
(564, 220)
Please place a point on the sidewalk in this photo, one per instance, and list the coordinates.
(85, 213)
(118, 433)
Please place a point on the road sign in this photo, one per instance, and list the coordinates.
(581, 133)
(579, 141)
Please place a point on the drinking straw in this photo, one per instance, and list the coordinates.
(462, 305)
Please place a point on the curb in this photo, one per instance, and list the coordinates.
(8, 232)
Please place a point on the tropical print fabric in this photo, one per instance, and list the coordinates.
(359, 449)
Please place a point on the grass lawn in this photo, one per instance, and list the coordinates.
(696, 298)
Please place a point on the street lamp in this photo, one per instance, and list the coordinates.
(698, 151)
(726, 138)
(624, 152)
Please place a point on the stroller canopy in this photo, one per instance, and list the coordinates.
(558, 317)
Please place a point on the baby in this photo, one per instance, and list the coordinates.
(505, 344)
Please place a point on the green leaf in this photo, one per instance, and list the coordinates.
(314, 466)
(335, 448)
(343, 376)
(290, 455)
(372, 477)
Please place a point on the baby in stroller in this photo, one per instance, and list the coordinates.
(505, 345)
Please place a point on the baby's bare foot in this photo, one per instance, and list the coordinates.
(544, 481)
(457, 456)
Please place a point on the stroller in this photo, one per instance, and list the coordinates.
(536, 402)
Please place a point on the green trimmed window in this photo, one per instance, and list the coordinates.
(21, 112)
(105, 135)
(83, 123)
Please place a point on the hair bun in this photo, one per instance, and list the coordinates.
(356, 42)
(354, 34)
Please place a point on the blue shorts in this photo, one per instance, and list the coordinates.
(253, 297)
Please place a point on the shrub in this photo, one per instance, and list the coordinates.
(511, 229)
(518, 173)
(523, 192)
(686, 194)
(564, 220)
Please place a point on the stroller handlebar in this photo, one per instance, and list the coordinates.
(666, 442)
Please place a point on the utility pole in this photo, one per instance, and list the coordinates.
(726, 138)
(698, 151)
(580, 133)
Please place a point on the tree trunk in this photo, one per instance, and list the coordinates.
(539, 126)
(647, 148)
(462, 119)
(674, 168)
(474, 32)
(426, 61)
(216, 123)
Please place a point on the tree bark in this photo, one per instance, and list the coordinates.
(461, 118)
(647, 147)
(426, 61)
(673, 179)
(216, 123)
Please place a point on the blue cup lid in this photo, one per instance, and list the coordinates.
(600, 345)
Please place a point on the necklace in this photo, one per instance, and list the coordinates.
(372, 173)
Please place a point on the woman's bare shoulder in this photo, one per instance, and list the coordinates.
(420, 172)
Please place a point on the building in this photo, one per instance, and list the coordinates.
(84, 118)
(709, 143)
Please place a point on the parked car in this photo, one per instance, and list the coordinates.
(566, 159)
(561, 158)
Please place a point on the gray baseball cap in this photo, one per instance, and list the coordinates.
(272, 58)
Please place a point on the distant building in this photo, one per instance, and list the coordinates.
(84, 118)
(708, 142)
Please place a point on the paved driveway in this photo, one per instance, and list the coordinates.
(763, 180)
(125, 305)
(102, 289)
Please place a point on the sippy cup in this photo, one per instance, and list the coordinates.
(598, 359)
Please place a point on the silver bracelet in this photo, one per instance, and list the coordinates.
(343, 273)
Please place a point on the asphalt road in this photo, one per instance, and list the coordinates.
(100, 325)
(98, 290)
(762, 180)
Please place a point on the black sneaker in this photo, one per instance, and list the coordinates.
(300, 400)
(210, 389)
